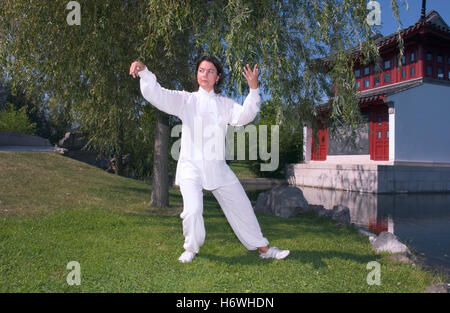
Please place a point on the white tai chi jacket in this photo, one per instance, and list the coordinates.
(205, 116)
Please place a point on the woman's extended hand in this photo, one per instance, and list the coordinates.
(251, 76)
(136, 67)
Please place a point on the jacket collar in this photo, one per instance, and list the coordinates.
(203, 92)
(206, 106)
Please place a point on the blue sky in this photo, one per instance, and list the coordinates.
(410, 16)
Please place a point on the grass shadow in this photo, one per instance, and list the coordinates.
(314, 258)
(124, 189)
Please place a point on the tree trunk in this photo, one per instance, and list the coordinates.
(119, 153)
(160, 183)
(119, 168)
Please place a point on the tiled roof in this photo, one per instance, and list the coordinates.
(377, 94)
(381, 92)
(432, 20)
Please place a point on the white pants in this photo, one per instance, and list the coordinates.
(235, 205)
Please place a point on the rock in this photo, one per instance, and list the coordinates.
(284, 201)
(316, 208)
(401, 258)
(320, 210)
(439, 288)
(288, 201)
(325, 213)
(341, 214)
(262, 203)
(388, 242)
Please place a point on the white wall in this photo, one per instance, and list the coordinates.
(422, 124)
(307, 142)
(391, 112)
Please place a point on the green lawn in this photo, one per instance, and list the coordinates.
(54, 210)
(242, 170)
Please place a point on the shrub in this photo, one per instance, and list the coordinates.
(16, 120)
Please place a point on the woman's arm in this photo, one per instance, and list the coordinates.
(244, 114)
(168, 101)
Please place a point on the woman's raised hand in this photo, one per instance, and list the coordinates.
(136, 67)
(251, 76)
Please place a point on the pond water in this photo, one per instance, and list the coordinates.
(422, 221)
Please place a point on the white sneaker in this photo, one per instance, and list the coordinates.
(186, 257)
(274, 253)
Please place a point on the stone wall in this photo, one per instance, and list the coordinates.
(20, 139)
(370, 178)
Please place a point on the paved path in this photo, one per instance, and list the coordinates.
(28, 148)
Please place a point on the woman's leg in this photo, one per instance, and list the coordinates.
(239, 213)
(192, 215)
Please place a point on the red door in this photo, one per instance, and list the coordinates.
(320, 151)
(379, 134)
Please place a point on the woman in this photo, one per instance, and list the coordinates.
(205, 115)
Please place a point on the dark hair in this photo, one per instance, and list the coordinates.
(219, 69)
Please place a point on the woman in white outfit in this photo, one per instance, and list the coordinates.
(205, 115)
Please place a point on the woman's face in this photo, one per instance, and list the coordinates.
(207, 75)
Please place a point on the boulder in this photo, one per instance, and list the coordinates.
(388, 242)
(440, 288)
(402, 258)
(316, 208)
(341, 214)
(320, 210)
(262, 203)
(288, 201)
(284, 201)
(325, 213)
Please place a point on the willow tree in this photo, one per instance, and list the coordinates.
(86, 66)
